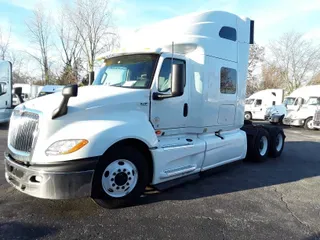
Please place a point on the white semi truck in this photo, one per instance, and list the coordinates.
(293, 102)
(258, 103)
(7, 92)
(155, 116)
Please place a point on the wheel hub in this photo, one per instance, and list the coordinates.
(121, 178)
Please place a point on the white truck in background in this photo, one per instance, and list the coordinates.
(293, 102)
(29, 91)
(5, 91)
(160, 112)
(303, 117)
(257, 104)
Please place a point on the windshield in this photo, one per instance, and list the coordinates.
(313, 101)
(131, 71)
(289, 101)
(249, 101)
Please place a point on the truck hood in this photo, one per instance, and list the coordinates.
(90, 97)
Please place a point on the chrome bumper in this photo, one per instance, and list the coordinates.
(50, 182)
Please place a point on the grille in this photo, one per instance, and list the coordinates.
(22, 130)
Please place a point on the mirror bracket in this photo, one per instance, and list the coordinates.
(160, 96)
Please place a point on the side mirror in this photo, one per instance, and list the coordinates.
(70, 91)
(18, 92)
(178, 80)
(67, 92)
(177, 83)
(300, 101)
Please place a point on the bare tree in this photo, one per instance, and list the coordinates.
(271, 76)
(256, 57)
(4, 43)
(70, 48)
(17, 58)
(93, 21)
(298, 59)
(40, 32)
(315, 80)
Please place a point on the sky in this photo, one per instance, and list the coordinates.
(272, 17)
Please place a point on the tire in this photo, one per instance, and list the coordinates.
(276, 142)
(115, 186)
(258, 147)
(247, 116)
(308, 124)
(281, 120)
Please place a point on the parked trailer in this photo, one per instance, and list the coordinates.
(160, 112)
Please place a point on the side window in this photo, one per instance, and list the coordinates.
(228, 80)
(3, 88)
(164, 80)
(258, 102)
(228, 33)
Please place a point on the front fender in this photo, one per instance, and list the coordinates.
(101, 134)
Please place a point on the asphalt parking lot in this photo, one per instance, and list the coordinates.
(277, 199)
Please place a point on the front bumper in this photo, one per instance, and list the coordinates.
(70, 179)
(293, 122)
(275, 118)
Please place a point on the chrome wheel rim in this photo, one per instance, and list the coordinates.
(247, 116)
(263, 146)
(279, 142)
(119, 178)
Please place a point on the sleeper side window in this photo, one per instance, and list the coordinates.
(228, 33)
(228, 80)
(164, 80)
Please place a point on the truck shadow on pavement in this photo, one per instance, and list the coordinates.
(25, 231)
(299, 160)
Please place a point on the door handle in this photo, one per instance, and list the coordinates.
(185, 109)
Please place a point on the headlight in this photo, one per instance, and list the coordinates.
(65, 147)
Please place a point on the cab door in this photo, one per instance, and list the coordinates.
(168, 113)
(5, 90)
(258, 108)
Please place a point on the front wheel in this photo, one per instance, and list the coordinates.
(308, 124)
(247, 116)
(120, 178)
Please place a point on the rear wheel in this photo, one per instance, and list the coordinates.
(120, 178)
(258, 150)
(247, 116)
(308, 124)
(277, 138)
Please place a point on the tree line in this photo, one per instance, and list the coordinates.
(288, 63)
(80, 32)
